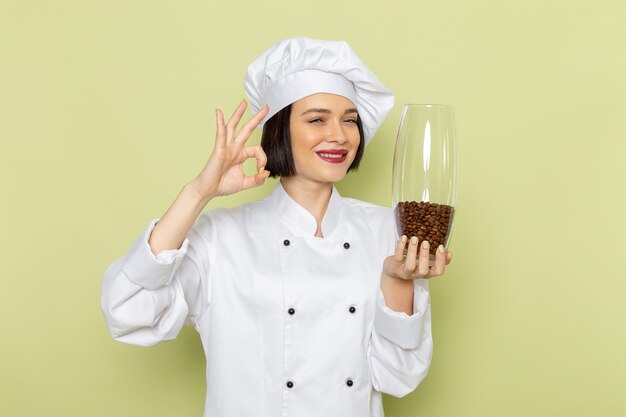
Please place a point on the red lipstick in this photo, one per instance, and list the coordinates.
(334, 156)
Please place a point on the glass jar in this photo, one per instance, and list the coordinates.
(425, 174)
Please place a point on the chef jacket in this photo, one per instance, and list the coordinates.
(291, 324)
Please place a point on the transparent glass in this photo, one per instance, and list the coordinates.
(425, 174)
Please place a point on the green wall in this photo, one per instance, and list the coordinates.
(106, 110)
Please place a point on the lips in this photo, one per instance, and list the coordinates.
(334, 156)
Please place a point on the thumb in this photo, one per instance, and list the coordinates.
(256, 180)
(261, 176)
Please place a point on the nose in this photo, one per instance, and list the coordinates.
(337, 134)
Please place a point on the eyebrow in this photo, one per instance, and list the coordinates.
(327, 111)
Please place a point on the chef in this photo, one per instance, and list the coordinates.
(305, 302)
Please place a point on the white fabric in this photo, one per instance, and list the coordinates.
(295, 68)
(301, 84)
(234, 279)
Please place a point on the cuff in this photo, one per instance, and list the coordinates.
(400, 328)
(151, 271)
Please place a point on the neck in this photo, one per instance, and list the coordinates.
(311, 195)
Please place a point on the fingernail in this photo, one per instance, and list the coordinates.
(425, 245)
(261, 169)
(440, 249)
(403, 239)
(414, 240)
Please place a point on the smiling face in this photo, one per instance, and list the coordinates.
(324, 137)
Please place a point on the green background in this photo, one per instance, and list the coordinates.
(106, 110)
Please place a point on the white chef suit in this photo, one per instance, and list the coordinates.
(291, 324)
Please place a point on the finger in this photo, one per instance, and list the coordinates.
(399, 254)
(231, 127)
(255, 180)
(411, 257)
(220, 136)
(422, 266)
(248, 128)
(448, 257)
(257, 152)
(251, 124)
(440, 262)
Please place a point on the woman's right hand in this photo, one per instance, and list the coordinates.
(223, 173)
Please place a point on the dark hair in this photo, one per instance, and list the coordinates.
(276, 143)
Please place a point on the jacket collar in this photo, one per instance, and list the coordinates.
(302, 223)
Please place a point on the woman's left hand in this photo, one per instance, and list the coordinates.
(415, 265)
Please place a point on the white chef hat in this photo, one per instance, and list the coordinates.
(296, 68)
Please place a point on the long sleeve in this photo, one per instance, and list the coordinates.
(147, 299)
(401, 345)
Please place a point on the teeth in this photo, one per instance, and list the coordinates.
(331, 155)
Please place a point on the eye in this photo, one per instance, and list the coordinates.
(316, 121)
(350, 120)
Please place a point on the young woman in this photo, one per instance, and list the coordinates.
(305, 303)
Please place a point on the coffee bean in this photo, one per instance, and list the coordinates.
(427, 221)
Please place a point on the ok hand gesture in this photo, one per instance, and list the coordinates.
(223, 173)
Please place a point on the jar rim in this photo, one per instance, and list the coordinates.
(429, 105)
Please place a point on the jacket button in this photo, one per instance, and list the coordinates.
(291, 311)
(346, 245)
(349, 382)
(352, 309)
(289, 384)
(286, 242)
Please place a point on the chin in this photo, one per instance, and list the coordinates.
(333, 176)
